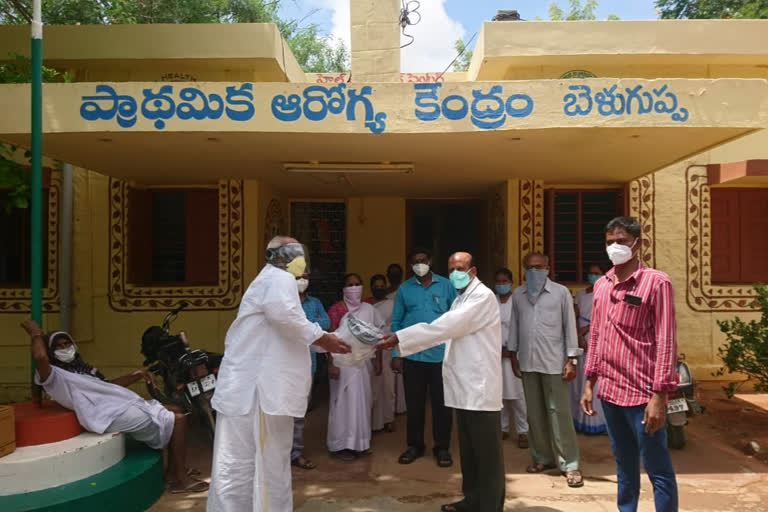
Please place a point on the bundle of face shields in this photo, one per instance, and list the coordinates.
(361, 338)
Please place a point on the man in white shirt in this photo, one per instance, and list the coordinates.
(544, 346)
(472, 382)
(263, 383)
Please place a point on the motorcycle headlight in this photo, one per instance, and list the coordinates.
(684, 373)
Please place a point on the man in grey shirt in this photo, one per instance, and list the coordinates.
(544, 345)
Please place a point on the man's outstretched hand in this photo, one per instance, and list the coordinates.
(388, 341)
(332, 343)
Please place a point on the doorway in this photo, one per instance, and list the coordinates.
(447, 226)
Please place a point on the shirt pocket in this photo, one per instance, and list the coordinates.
(550, 318)
(631, 317)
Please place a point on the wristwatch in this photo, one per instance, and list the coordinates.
(574, 361)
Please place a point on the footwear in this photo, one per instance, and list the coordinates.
(574, 478)
(410, 455)
(539, 468)
(389, 427)
(459, 506)
(504, 436)
(522, 441)
(345, 455)
(303, 463)
(364, 453)
(443, 458)
(192, 487)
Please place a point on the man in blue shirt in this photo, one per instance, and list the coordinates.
(424, 298)
(315, 312)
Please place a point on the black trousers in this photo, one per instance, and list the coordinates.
(418, 378)
(482, 460)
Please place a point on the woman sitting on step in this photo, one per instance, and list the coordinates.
(108, 406)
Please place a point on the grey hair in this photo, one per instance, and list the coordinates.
(532, 254)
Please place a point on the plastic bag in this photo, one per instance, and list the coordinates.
(360, 336)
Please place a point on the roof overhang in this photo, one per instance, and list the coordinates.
(542, 129)
(745, 173)
(513, 50)
(162, 52)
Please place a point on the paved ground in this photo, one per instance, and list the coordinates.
(713, 476)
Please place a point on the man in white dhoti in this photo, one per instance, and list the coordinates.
(349, 412)
(263, 383)
(472, 381)
(383, 380)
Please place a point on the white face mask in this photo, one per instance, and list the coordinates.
(302, 285)
(66, 355)
(420, 269)
(619, 253)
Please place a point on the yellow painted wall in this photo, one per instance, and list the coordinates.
(375, 235)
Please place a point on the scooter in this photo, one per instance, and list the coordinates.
(682, 406)
(189, 376)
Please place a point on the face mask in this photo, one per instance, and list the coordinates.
(379, 293)
(66, 355)
(535, 279)
(353, 295)
(459, 279)
(421, 269)
(503, 289)
(619, 253)
(297, 266)
(302, 285)
(592, 278)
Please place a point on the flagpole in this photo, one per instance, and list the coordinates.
(36, 172)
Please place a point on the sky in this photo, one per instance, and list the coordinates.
(445, 21)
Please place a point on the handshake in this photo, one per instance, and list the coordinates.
(335, 345)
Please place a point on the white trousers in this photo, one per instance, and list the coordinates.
(383, 387)
(516, 407)
(251, 463)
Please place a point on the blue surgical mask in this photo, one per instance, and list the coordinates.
(459, 279)
(592, 278)
(503, 289)
(535, 279)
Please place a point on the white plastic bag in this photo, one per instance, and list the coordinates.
(360, 336)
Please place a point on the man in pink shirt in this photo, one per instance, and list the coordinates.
(633, 352)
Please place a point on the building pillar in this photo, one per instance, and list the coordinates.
(375, 40)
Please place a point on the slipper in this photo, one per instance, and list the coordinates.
(301, 462)
(574, 478)
(193, 472)
(345, 455)
(195, 486)
(539, 468)
(459, 506)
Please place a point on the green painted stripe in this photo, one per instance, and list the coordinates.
(131, 485)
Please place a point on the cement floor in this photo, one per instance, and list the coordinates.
(712, 477)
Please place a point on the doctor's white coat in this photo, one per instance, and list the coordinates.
(472, 364)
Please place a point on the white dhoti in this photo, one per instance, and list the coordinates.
(349, 414)
(383, 387)
(251, 463)
(513, 400)
(400, 407)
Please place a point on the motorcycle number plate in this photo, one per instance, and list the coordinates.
(208, 382)
(677, 405)
(193, 388)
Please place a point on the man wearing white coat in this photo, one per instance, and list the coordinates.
(263, 383)
(471, 380)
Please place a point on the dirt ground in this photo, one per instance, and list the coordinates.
(714, 475)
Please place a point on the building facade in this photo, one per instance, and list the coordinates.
(193, 145)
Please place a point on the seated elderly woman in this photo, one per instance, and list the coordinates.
(103, 406)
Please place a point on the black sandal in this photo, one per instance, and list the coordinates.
(459, 506)
(443, 458)
(410, 455)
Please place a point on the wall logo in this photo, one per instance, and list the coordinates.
(577, 73)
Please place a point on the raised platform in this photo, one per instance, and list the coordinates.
(34, 468)
(41, 425)
(131, 485)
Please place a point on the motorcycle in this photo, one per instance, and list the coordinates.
(188, 376)
(682, 406)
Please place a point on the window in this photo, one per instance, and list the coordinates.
(14, 245)
(322, 227)
(173, 237)
(575, 221)
(739, 239)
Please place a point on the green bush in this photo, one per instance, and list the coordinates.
(746, 348)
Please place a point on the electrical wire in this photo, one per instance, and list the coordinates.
(405, 20)
(466, 45)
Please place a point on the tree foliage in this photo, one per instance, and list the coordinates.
(577, 11)
(464, 58)
(708, 9)
(314, 51)
(746, 349)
